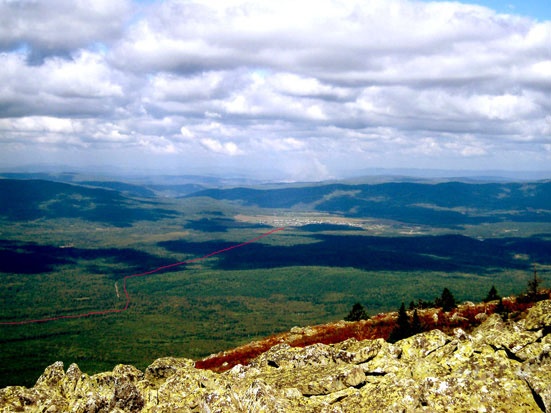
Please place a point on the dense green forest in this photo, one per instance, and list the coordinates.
(66, 246)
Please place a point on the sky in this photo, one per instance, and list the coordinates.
(287, 89)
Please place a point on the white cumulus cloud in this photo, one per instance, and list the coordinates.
(328, 86)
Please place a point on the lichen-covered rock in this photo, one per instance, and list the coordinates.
(52, 375)
(480, 383)
(189, 387)
(163, 368)
(387, 394)
(514, 338)
(318, 380)
(283, 355)
(538, 317)
(537, 373)
(499, 367)
(421, 345)
(357, 352)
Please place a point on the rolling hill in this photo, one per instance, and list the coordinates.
(27, 200)
(449, 204)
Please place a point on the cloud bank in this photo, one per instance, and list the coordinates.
(287, 89)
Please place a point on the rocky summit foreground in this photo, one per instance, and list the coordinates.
(498, 367)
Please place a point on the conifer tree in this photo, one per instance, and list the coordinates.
(447, 300)
(357, 313)
(533, 292)
(403, 328)
(502, 310)
(534, 286)
(416, 326)
(492, 295)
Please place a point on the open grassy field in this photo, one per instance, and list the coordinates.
(60, 255)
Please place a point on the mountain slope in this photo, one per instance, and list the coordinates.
(500, 366)
(445, 204)
(26, 200)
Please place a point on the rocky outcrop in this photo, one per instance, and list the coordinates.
(498, 367)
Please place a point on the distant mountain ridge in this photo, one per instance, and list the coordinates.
(446, 204)
(31, 199)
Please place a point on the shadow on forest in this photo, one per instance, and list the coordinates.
(427, 253)
(30, 258)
